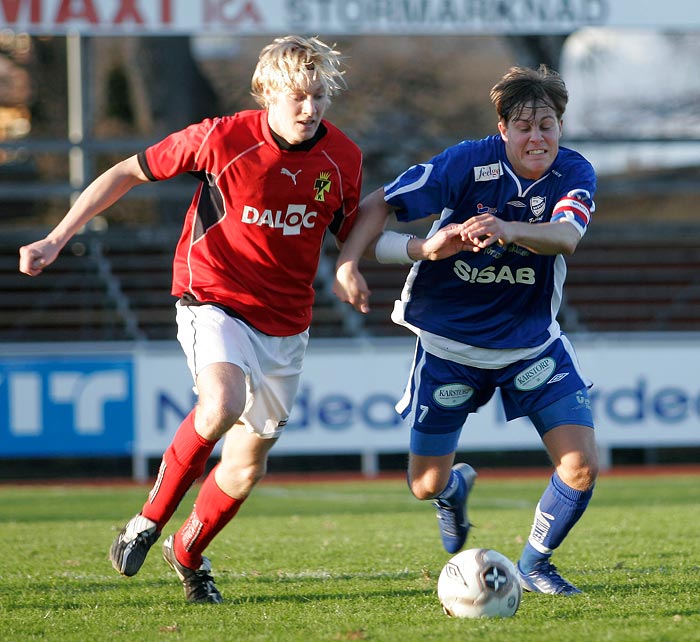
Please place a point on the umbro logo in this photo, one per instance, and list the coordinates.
(285, 172)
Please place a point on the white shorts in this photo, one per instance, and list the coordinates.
(272, 365)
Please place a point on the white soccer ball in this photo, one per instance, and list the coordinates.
(479, 582)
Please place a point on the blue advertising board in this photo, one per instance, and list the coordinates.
(66, 405)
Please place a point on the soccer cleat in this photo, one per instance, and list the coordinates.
(198, 583)
(131, 546)
(546, 579)
(452, 513)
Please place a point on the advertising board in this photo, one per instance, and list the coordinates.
(646, 394)
(347, 17)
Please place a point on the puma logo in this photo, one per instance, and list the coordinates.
(285, 172)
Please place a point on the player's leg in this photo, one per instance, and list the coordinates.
(217, 351)
(573, 451)
(275, 371)
(222, 395)
(436, 478)
(429, 476)
(435, 405)
(221, 389)
(552, 391)
(243, 464)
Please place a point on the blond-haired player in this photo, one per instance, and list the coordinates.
(271, 183)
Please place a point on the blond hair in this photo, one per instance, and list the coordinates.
(292, 62)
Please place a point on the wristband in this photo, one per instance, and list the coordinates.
(392, 247)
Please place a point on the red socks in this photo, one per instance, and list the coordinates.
(183, 462)
(212, 511)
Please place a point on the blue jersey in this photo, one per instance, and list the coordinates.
(500, 297)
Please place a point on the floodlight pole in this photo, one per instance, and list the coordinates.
(77, 160)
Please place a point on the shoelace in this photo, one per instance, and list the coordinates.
(202, 582)
(550, 570)
(553, 574)
(448, 516)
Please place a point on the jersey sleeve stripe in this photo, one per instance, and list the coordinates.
(422, 179)
(143, 162)
(574, 211)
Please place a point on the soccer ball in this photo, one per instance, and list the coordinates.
(479, 582)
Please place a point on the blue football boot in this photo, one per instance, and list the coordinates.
(452, 513)
(545, 578)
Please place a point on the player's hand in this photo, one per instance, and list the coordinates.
(446, 242)
(350, 287)
(485, 230)
(33, 258)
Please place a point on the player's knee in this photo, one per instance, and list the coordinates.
(580, 474)
(213, 419)
(242, 478)
(590, 473)
(424, 487)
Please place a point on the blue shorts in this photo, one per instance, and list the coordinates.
(549, 389)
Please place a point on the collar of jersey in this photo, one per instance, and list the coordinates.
(301, 147)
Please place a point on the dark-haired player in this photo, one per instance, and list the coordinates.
(482, 297)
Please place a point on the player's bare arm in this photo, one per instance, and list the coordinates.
(104, 191)
(371, 220)
(484, 230)
(350, 286)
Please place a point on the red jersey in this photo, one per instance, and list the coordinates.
(253, 233)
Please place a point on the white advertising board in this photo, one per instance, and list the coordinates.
(646, 393)
(347, 17)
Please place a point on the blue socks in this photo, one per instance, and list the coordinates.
(558, 510)
(452, 486)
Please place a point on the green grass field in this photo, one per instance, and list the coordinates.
(349, 561)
